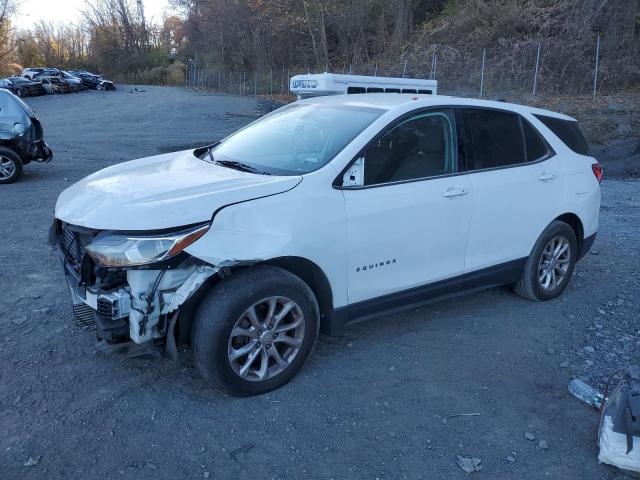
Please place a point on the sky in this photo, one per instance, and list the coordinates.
(62, 11)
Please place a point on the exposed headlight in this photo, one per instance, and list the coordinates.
(120, 250)
(19, 128)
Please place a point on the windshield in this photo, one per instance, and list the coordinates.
(295, 139)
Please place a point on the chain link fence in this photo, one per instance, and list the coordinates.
(532, 67)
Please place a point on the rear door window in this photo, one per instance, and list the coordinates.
(567, 131)
(497, 139)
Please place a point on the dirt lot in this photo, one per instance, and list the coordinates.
(370, 404)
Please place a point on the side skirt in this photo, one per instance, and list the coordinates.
(502, 274)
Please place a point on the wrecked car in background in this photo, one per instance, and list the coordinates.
(55, 85)
(20, 137)
(22, 87)
(32, 72)
(93, 81)
(74, 82)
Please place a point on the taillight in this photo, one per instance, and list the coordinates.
(598, 172)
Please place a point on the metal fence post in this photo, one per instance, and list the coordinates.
(230, 83)
(434, 69)
(404, 70)
(535, 75)
(375, 70)
(270, 82)
(484, 52)
(595, 74)
(433, 63)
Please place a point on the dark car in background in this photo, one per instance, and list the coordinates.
(54, 85)
(93, 81)
(22, 87)
(21, 137)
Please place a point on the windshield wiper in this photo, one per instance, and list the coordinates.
(243, 167)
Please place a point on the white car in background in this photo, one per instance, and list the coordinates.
(326, 211)
(32, 72)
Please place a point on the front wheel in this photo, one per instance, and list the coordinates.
(20, 92)
(254, 330)
(550, 265)
(10, 165)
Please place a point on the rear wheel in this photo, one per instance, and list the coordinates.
(10, 165)
(254, 330)
(549, 267)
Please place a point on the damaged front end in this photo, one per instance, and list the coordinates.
(130, 285)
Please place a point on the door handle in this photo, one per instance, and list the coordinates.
(547, 176)
(454, 192)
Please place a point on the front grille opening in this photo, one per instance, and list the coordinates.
(84, 316)
(73, 246)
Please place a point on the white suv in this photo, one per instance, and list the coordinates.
(325, 211)
(32, 72)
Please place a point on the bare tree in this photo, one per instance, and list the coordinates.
(8, 8)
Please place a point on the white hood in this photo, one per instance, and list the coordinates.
(163, 191)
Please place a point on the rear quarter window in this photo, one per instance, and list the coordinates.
(567, 131)
(537, 148)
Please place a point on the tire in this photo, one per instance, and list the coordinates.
(10, 165)
(539, 283)
(20, 93)
(227, 310)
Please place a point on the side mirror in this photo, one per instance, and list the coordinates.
(354, 176)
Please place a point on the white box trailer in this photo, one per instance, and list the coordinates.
(319, 84)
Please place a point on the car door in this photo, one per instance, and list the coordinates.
(514, 178)
(409, 209)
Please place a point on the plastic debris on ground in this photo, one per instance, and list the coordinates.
(469, 464)
(619, 429)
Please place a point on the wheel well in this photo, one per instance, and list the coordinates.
(574, 222)
(313, 276)
(308, 271)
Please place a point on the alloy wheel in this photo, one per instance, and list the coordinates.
(266, 339)
(554, 263)
(7, 168)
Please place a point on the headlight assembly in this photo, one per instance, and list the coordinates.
(122, 250)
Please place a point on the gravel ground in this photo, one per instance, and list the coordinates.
(372, 403)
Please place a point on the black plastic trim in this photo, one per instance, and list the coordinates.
(505, 273)
(587, 243)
